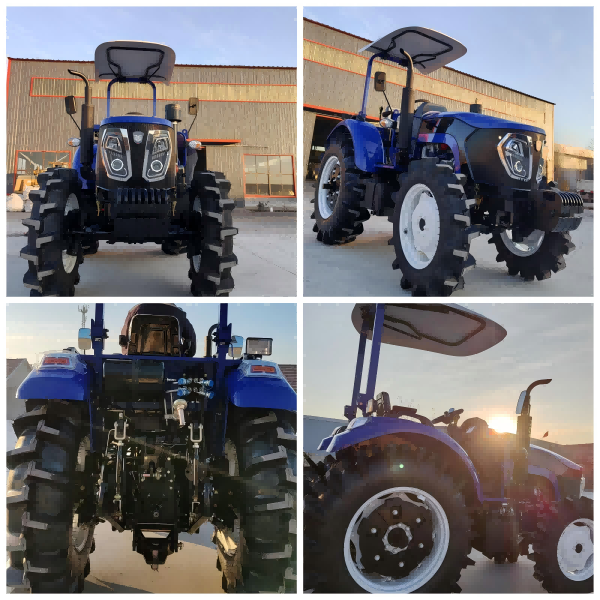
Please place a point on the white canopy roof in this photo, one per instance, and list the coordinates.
(441, 328)
(429, 49)
(130, 58)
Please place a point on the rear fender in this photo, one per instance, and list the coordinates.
(366, 139)
(366, 429)
(260, 390)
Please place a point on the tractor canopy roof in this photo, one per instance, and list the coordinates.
(442, 328)
(134, 60)
(430, 50)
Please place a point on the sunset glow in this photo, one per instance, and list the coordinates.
(503, 424)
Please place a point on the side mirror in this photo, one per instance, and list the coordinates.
(259, 346)
(70, 105)
(521, 402)
(380, 81)
(84, 340)
(193, 106)
(235, 348)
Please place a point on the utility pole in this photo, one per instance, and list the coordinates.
(83, 310)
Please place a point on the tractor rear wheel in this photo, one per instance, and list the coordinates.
(338, 214)
(48, 547)
(387, 520)
(432, 229)
(53, 259)
(211, 251)
(563, 549)
(263, 446)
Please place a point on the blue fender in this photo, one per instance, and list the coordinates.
(441, 138)
(368, 428)
(260, 390)
(481, 121)
(368, 146)
(76, 164)
(57, 383)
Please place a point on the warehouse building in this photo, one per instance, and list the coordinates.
(334, 74)
(246, 119)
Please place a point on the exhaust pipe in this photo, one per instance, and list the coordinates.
(87, 129)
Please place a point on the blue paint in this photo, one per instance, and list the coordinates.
(481, 121)
(565, 461)
(368, 147)
(260, 390)
(86, 184)
(548, 475)
(135, 119)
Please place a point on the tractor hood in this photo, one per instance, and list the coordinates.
(480, 121)
(443, 329)
(429, 49)
(132, 59)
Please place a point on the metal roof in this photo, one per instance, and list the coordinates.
(449, 68)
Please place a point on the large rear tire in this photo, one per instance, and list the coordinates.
(48, 548)
(265, 451)
(338, 193)
(53, 259)
(354, 542)
(432, 229)
(211, 251)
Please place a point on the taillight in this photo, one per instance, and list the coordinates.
(262, 369)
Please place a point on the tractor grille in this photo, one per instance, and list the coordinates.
(140, 196)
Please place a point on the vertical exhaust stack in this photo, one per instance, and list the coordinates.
(87, 128)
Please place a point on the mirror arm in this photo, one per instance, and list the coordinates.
(74, 121)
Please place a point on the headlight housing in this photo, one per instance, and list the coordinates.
(116, 154)
(540, 171)
(516, 155)
(387, 123)
(157, 156)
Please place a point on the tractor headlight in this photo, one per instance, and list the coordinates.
(515, 153)
(540, 170)
(387, 123)
(115, 152)
(157, 156)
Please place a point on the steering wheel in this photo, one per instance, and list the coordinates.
(449, 416)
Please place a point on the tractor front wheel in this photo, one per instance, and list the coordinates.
(432, 229)
(211, 251)
(49, 539)
(53, 258)
(385, 521)
(338, 214)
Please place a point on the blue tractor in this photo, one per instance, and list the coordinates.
(134, 179)
(158, 442)
(398, 504)
(442, 178)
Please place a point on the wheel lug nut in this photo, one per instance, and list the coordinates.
(373, 530)
(421, 545)
(401, 564)
(395, 512)
(377, 557)
(418, 519)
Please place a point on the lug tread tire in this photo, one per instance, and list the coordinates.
(337, 488)
(346, 221)
(444, 274)
(268, 519)
(214, 230)
(550, 526)
(40, 499)
(549, 258)
(45, 275)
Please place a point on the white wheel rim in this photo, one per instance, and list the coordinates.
(575, 550)
(530, 245)
(69, 262)
(196, 207)
(419, 226)
(72, 204)
(328, 197)
(420, 575)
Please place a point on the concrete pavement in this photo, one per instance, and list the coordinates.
(265, 247)
(364, 267)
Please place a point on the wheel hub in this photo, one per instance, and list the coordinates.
(329, 186)
(527, 245)
(575, 550)
(395, 538)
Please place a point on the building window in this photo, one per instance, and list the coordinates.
(269, 175)
(30, 163)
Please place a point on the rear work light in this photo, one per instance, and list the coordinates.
(262, 369)
(55, 360)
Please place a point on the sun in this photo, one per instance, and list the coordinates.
(503, 424)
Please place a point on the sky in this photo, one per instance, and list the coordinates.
(545, 51)
(32, 329)
(543, 341)
(252, 36)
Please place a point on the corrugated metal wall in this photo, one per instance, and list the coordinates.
(259, 110)
(334, 79)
